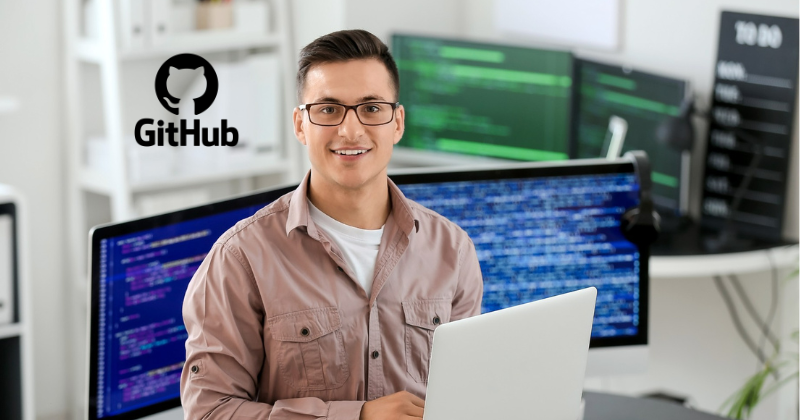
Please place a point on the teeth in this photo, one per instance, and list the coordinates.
(350, 152)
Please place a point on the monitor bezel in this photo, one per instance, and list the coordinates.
(111, 230)
(577, 64)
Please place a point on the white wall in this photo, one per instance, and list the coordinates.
(31, 160)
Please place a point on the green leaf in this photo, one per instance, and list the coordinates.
(777, 385)
(744, 400)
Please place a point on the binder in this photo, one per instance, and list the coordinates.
(160, 24)
(6, 269)
(133, 28)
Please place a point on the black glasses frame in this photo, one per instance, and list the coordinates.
(347, 108)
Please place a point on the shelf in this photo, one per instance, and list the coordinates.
(99, 182)
(92, 50)
(95, 181)
(89, 50)
(690, 266)
(10, 330)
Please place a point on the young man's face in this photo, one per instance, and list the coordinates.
(349, 83)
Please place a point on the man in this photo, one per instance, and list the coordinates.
(329, 296)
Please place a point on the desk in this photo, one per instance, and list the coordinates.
(601, 406)
(709, 265)
(680, 252)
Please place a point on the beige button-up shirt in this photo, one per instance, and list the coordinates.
(280, 329)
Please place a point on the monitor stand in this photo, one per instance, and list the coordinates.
(672, 222)
(171, 414)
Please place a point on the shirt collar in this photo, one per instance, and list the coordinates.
(402, 212)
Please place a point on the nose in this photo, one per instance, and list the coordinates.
(351, 128)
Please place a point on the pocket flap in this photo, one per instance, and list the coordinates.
(304, 326)
(427, 314)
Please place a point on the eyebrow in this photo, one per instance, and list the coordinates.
(362, 99)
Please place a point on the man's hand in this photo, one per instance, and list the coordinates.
(402, 405)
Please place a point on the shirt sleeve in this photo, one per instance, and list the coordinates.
(469, 295)
(224, 317)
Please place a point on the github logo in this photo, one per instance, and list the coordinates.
(169, 96)
(186, 63)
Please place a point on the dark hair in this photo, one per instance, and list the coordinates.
(353, 44)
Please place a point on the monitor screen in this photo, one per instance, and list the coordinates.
(140, 272)
(540, 233)
(644, 101)
(484, 99)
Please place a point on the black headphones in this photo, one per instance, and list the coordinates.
(640, 225)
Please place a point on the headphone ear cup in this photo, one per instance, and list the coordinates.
(638, 228)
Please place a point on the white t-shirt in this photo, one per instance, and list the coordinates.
(359, 246)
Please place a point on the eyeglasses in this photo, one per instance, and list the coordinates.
(331, 114)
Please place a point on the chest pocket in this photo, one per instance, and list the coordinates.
(422, 317)
(311, 354)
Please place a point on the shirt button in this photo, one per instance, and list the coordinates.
(375, 354)
(305, 332)
(436, 320)
(340, 269)
(195, 369)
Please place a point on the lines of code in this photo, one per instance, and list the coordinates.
(644, 101)
(484, 99)
(143, 280)
(541, 237)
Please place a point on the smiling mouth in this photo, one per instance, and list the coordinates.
(350, 152)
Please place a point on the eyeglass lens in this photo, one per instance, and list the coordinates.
(371, 113)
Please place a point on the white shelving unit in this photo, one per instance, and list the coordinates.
(96, 196)
(16, 351)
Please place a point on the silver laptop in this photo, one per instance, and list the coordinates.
(524, 362)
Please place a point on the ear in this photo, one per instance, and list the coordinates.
(299, 130)
(172, 69)
(400, 123)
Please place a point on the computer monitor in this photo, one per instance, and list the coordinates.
(644, 101)
(539, 229)
(140, 271)
(544, 229)
(484, 99)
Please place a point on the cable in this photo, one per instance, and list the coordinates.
(748, 305)
(773, 308)
(735, 317)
